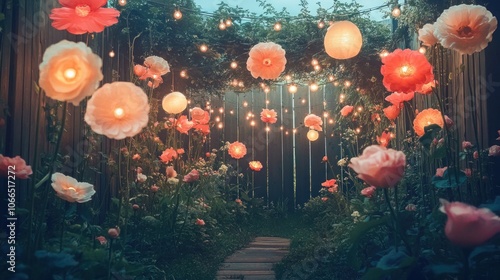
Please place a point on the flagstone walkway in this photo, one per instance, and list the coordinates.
(255, 262)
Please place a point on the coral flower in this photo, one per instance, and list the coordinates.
(200, 222)
(313, 122)
(427, 88)
(114, 232)
(202, 128)
(180, 151)
(465, 28)
(170, 172)
(266, 60)
(82, 16)
(368, 192)
(20, 169)
(192, 176)
(329, 183)
(70, 71)
(269, 116)
(379, 167)
(118, 110)
(426, 35)
(237, 150)
(324, 159)
(392, 112)
(449, 122)
(102, 240)
(199, 115)
(183, 125)
(467, 145)
(440, 171)
(255, 165)
(467, 225)
(168, 155)
(346, 110)
(155, 188)
(426, 118)
(494, 151)
(397, 98)
(406, 71)
(69, 189)
(384, 140)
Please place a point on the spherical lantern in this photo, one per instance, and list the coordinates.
(343, 40)
(312, 135)
(425, 118)
(174, 103)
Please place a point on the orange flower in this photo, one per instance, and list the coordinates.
(202, 128)
(237, 150)
(269, 116)
(168, 155)
(180, 151)
(332, 183)
(392, 112)
(199, 115)
(427, 88)
(426, 118)
(266, 60)
(346, 110)
(406, 71)
(465, 28)
(82, 16)
(170, 172)
(384, 140)
(255, 165)
(183, 125)
(313, 122)
(200, 222)
(426, 35)
(397, 98)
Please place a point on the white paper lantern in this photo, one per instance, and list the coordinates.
(343, 40)
(174, 103)
(312, 135)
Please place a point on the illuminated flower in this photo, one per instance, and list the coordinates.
(183, 125)
(102, 240)
(467, 225)
(202, 128)
(118, 110)
(269, 116)
(136, 157)
(156, 65)
(313, 122)
(494, 151)
(426, 118)
(200, 222)
(329, 183)
(69, 189)
(168, 155)
(180, 151)
(440, 171)
(384, 140)
(192, 176)
(392, 112)
(427, 88)
(199, 115)
(114, 232)
(82, 16)
(170, 172)
(20, 169)
(379, 167)
(237, 150)
(397, 98)
(346, 110)
(426, 35)
(266, 60)
(368, 192)
(406, 71)
(255, 165)
(465, 28)
(70, 72)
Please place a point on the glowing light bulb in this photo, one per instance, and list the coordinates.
(211, 111)
(217, 119)
(222, 25)
(314, 62)
(325, 114)
(229, 22)
(183, 74)
(396, 12)
(119, 113)
(330, 121)
(241, 84)
(268, 129)
(277, 26)
(360, 109)
(303, 101)
(312, 135)
(111, 53)
(69, 73)
(245, 104)
(331, 78)
(281, 127)
(314, 87)
(234, 65)
(189, 101)
(321, 24)
(203, 48)
(177, 14)
(286, 132)
(294, 130)
(267, 90)
(342, 96)
(221, 110)
(286, 110)
(358, 130)
(383, 53)
(122, 2)
(252, 123)
(422, 50)
(267, 101)
(317, 68)
(336, 83)
(231, 112)
(288, 77)
(292, 88)
(220, 125)
(347, 83)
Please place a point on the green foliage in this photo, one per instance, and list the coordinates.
(452, 178)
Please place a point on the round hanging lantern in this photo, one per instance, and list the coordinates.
(174, 103)
(312, 135)
(343, 40)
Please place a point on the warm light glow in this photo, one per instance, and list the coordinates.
(111, 53)
(122, 2)
(314, 87)
(241, 84)
(358, 130)
(119, 113)
(422, 50)
(234, 64)
(342, 96)
(281, 127)
(231, 112)
(268, 129)
(406, 71)
(292, 88)
(267, 90)
(343, 40)
(286, 132)
(222, 25)
(267, 101)
(330, 121)
(321, 24)
(203, 48)
(288, 77)
(174, 103)
(189, 101)
(183, 74)
(347, 83)
(331, 78)
(177, 14)
(211, 111)
(220, 125)
(317, 67)
(252, 123)
(384, 53)
(396, 12)
(360, 109)
(303, 101)
(277, 26)
(69, 74)
(294, 130)
(229, 22)
(314, 62)
(286, 110)
(325, 115)
(217, 119)
(312, 135)
(336, 83)
(245, 104)
(221, 110)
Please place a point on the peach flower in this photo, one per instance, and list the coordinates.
(141, 178)
(384, 140)
(467, 225)
(200, 222)
(406, 71)
(379, 167)
(136, 157)
(397, 98)
(494, 151)
(118, 110)
(237, 150)
(324, 159)
(192, 176)
(269, 116)
(114, 232)
(313, 122)
(199, 115)
(155, 188)
(255, 165)
(346, 110)
(170, 171)
(426, 35)
(82, 16)
(156, 65)
(102, 240)
(427, 88)
(329, 183)
(168, 155)
(465, 28)
(392, 112)
(183, 125)
(70, 71)
(426, 118)
(440, 171)
(369, 191)
(202, 128)
(69, 189)
(266, 60)
(19, 167)
(180, 151)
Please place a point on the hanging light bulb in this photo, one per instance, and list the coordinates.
(111, 53)
(183, 74)
(203, 48)
(220, 125)
(122, 2)
(384, 53)
(396, 11)
(336, 83)
(267, 90)
(277, 26)
(331, 78)
(303, 101)
(317, 67)
(222, 25)
(217, 119)
(245, 104)
(252, 123)
(312, 135)
(241, 84)
(177, 14)
(314, 87)
(330, 121)
(321, 24)
(422, 50)
(347, 83)
(314, 62)
(234, 64)
(360, 108)
(288, 77)
(229, 22)
(268, 129)
(119, 113)
(292, 88)
(325, 115)
(221, 110)
(267, 102)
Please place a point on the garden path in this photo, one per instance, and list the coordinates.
(255, 262)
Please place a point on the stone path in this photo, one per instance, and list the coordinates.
(255, 262)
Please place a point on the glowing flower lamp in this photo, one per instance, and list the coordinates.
(174, 102)
(266, 60)
(312, 135)
(69, 189)
(269, 116)
(426, 118)
(343, 40)
(255, 165)
(237, 150)
(397, 98)
(313, 122)
(392, 112)
(118, 110)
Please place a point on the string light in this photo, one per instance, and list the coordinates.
(267, 90)
(358, 130)
(268, 129)
(383, 53)
(221, 110)
(396, 11)
(281, 128)
(189, 101)
(317, 68)
(177, 14)
(330, 121)
(331, 78)
(347, 83)
(241, 84)
(314, 87)
(122, 2)
(203, 48)
(111, 53)
(422, 50)
(325, 115)
(336, 83)
(252, 123)
(292, 88)
(294, 130)
(231, 112)
(217, 119)
(211, 111)
(360, 109)
(220, 125)
(303, 101)
(119, 113)
(342, 96)
(277, 26)
(288, 77)
(321, 24)
(245, 104)
(267, 102)
(222, 25)
(314, 62)
(183, 74)
(229, 22)
(234, 65)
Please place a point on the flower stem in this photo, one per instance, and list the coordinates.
(110, 253)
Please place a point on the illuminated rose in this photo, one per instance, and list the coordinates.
(266, 60)
(397, 98)
(70, 72)
(69, 189)
(16, 165)
(313, 122)
(269, 116)
(183, 125)
(199, 115)
(168, 155)
(346, 110)
(237, 150)
(255, 165)
(426, 35)
(425, 118)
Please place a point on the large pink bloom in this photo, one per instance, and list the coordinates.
(494, 151)
(199, 116)
(82, 16)
(16, 165)
(467, 225)
(380, 167)
(406, 71)
(465, 28)
(269, 116)
(392, 112)
(346, 110)
(369, 191)
(313, 122)
(266, 60)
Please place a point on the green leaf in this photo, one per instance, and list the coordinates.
(439, 269)
(451, 179)
(431, 132)
(358, 232)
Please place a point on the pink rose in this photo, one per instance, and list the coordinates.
(17, 166)
(102, 240)
(114, 232)
(171, 173)
(200, 222)
(449, 122)
(466, 145)
(155, 188)
(313, 122)
(494, 151)
(411, 207)
(193, 176)
(379, 166)
(475, 155)
(135, 207)
(440, 171)
(468, 172)
(346, 110)
(368, 192)
(467, 225)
